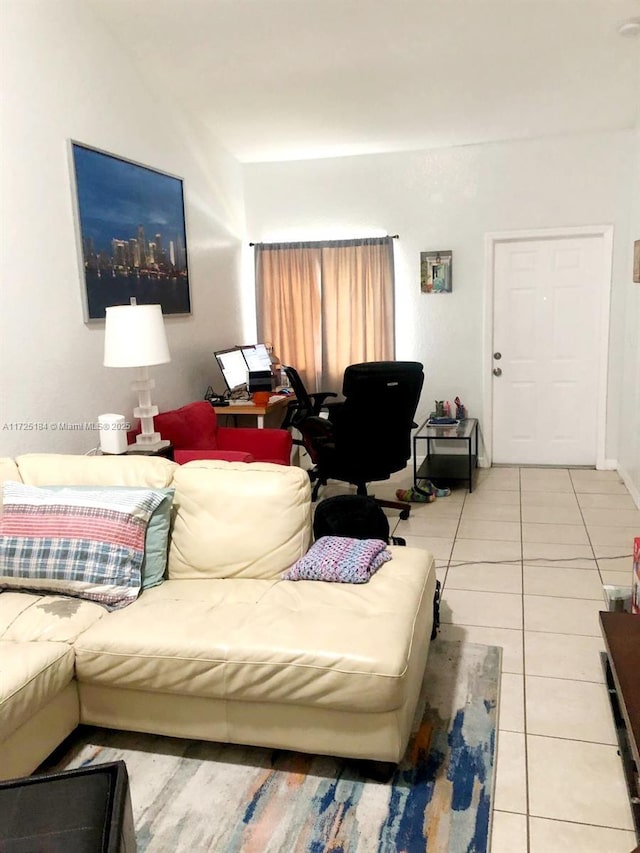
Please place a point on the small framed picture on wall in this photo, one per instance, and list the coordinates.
(636, 261)
(435, 272)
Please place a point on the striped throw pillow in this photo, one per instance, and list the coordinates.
(84, 543)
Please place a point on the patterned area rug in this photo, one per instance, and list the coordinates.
(196, 796)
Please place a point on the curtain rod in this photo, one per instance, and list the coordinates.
(393, 237)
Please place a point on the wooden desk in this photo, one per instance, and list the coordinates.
(621, 632)
(258, 412)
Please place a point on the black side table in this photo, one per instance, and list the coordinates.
(77, 811)
(443, 468)
(138, 450)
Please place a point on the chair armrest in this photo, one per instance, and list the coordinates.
(265, 445)
(318, 399)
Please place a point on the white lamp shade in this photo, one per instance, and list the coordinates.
(134, 336)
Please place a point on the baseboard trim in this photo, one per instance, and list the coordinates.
(633, 488)
(608, 465)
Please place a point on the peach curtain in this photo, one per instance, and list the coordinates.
(326, 305)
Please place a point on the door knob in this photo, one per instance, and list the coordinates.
(497, 371)
(497, 356)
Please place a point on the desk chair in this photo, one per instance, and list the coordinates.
(305, 404)
(369, 436)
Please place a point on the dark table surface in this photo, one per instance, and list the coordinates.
(621, 632)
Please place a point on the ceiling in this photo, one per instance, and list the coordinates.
(291, 79)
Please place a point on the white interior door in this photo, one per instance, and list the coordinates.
(547, 310)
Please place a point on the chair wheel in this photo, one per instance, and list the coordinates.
(404, 515)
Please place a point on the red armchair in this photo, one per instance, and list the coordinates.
(194, 433)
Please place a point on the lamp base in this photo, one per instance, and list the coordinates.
(147, 446)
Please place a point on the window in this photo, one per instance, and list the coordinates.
(325, 305)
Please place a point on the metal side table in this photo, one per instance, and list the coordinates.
(442, 467)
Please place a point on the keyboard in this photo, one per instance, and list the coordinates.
(241, 403)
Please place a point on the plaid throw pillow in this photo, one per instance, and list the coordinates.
(340, 559)
(85, 543)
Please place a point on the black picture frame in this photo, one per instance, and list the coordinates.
(131, 233)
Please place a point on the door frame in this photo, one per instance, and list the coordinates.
(491, 240)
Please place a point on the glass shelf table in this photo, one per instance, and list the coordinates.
(441, 467)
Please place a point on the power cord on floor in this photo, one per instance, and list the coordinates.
(527, 560)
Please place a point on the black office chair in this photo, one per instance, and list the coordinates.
(305, 404)
(369, 436)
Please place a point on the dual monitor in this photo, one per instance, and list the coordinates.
(235, 364)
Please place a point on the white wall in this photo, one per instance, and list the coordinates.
(629, 444)
(63, 77)
(449, 199)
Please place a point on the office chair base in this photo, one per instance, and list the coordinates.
(405, 508)
(361, 489)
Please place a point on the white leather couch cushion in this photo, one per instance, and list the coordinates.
(31, 674)
(51, 469)
(28, 617)
(234, 520)
(306, 643)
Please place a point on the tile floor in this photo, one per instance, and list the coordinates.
(522, 561)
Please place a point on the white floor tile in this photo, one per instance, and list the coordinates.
(511, 774)
(564, 656)
(562, 615)
(575, 710)
(439, 547)
(603, 487)
(569, 556)
(509, 833)
(563, 583)
(485, 551)
(542, 474)
(614, 558)
(552, 515)
(486, 495)
(511, 702)
(499, 478)
(561, 534)
(611, 517)
(473, 528)
(485, 609)
(576, 781)
(623, 563)
(487, 577)
(547, 484)
(491, 512)
(590, 500)
(426, 525)
(557, 836)
(558, 499)
(617, 578)
(621, 537)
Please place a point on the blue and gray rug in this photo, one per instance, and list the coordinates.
(196, 796)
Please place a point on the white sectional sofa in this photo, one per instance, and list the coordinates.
(223, 649)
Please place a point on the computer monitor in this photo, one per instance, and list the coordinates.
(233, 366)
(257, 357)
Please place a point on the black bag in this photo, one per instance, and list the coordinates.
(360, 517)
(356, 516)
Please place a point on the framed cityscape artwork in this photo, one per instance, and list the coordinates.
(435, 272)
(131, 234)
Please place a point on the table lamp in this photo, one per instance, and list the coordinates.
(134, 336)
